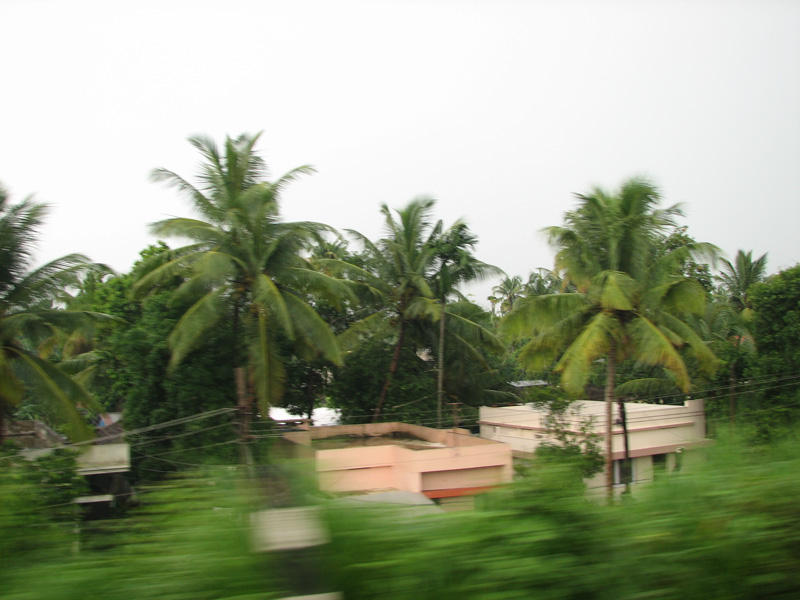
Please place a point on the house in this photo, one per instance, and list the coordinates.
(658, 434)
(444, 465)
(104, 463)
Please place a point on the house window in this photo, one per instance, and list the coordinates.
(621, 473)
(659, 465)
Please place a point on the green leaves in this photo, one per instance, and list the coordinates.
(592, 343)
(197, 320)
(33, 324)
(65, 392)
(246, 263)
(632, 291)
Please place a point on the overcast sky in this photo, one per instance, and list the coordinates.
(500, 110)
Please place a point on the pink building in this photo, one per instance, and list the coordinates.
(397, 456)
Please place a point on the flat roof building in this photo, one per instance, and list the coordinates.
(439, 463)
(657, 433)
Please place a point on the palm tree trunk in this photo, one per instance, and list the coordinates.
(392, 370)
(611, 372)
(440, 374)
(628, 470)
(245, 402)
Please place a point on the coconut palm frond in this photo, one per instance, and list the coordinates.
(654, 346)
(312, 329)
(197, 320)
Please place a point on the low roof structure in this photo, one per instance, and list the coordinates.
(652, 428)
(439, 463)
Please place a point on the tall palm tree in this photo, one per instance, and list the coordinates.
(631, 301)
(410, 274)
(245, 264)
(32, 322)
(737, 277)
(455, 264)
(733, 320)
(508, 292)
(396, 272)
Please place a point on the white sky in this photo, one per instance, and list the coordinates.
(500, 110)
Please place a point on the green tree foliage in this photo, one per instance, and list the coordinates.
(455, 265)
(776, 327)
(507, 292)
(407, 278)
(397, 270)
(728, 528)
(131, 373)
(356, 385)
(689, 267)
(739, 276)
(544, 281)
(36, 508)
(632, 300)
(33, 322)
(245, 264)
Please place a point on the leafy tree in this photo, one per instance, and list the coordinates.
(727, 324)
(32, 321)
(355, 385)
(737, 277)
(131, 372)
(776, 327)
(689, 267)
(245, 264)
(411, 274)
(455, 264)
(507, 292)
(544, 281)
(631, 301)
(396, 270)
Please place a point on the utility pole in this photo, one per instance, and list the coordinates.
(628, 470)
(456, 414)
(245, 407)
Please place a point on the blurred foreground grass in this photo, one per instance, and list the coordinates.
(729, 528)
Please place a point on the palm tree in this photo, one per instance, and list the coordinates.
(408, 276)
(737, 277)
(543, 281)
(31, 322)
(396, 273)
(508, 291)
(455, 265)
(631, 301)
(735, 280)
(245, 264)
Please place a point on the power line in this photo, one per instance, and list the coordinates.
(172, 423)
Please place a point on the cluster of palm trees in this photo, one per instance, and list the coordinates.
(35, 324)
(624, 295)
(617, 293)
(511, 289)
(270, 276)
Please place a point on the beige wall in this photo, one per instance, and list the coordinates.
(652, 429)
(466, 461)
(104, 458)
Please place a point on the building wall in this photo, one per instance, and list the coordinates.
(466, 462)
(652, 430)
(104, 458)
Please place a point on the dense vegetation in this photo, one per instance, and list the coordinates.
(727, 529)
(257, 312)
